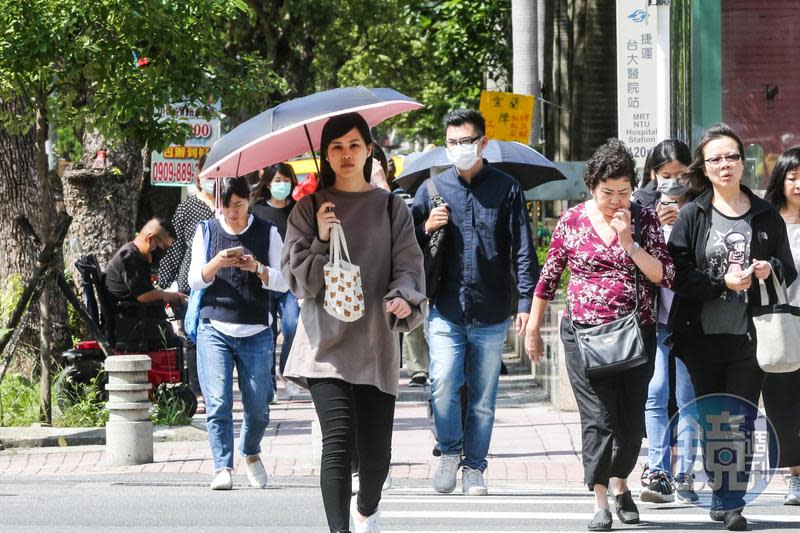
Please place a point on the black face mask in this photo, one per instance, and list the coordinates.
(157, 254)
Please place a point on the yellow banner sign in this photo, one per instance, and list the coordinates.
(508, 115)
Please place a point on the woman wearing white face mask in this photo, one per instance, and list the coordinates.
(272, 201)
(175, 265)
(665, 191)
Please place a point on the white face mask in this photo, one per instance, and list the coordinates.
(463, 156)
(671, 187)
(208, 186)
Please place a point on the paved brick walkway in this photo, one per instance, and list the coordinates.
(532, 444)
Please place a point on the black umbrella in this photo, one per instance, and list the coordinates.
(522, 162)
(294, 127)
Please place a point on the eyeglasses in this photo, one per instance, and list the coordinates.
(463, 141)
(717, 160)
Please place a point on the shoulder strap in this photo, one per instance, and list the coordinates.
(636, 211)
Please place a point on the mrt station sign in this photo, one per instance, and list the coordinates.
(638, 88)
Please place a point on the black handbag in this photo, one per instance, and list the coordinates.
(611, 348)
(433, 251)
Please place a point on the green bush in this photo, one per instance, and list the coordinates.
(19, 401)
(168, 408)
(87, 408)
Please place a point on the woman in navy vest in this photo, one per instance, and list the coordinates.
(244, 265)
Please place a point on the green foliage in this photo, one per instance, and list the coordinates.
(168, 408)
(19, 401)
(10, 294)
(88, 408)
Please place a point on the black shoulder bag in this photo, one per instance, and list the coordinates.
(433, 252)
(611, 348)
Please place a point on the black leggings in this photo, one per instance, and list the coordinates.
(351, 415)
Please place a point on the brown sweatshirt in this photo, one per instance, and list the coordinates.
(367, 350)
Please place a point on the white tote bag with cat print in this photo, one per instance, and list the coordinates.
(344, 298)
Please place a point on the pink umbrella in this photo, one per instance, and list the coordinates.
(294, 127)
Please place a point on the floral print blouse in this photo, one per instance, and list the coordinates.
(601, 284)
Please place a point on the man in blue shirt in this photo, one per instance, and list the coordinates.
(488, 235)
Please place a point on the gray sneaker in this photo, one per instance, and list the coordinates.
(444, 480)
(472, 483)
(793, 494)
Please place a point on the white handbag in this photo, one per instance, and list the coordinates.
(344, 298)
(777, 331)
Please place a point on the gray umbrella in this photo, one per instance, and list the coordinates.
(523, 163)
(294, 127)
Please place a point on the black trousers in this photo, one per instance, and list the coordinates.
(611, 409)
(724, 364)
(782, 404)
(350, 416)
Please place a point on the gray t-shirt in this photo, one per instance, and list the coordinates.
(727, 250)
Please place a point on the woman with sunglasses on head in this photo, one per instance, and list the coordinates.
(715, 240)
(781, 400)
(666, 190)
(353, 368)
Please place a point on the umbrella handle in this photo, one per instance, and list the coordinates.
(311, 147)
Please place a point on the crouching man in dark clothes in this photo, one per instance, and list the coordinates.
(139, 321)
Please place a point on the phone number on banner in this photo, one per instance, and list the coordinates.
(167, 172)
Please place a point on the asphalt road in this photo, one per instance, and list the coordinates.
(185, 504)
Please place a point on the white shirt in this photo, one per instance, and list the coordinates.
(275, 283)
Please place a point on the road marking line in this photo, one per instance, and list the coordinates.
(532, 515)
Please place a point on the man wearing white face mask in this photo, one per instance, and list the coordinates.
(488, 234)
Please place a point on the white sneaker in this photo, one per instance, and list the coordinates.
(222, 481)
(444, 480)
(793, 494)
(472, 482)
(369, 524)
(256, 474)
(387, 483)
(354, 484)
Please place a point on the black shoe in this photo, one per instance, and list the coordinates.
(716, 516)
(658, 489)
(734, 521)
(626, 509)
(602, 521)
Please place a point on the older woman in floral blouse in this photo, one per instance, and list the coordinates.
(595, 239)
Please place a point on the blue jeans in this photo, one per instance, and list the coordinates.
(286, 305)
(657, 423)
(465, 354)
(253, 357)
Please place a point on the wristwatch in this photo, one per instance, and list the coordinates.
(635, 248)
(260, 269)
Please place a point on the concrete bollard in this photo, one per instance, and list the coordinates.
(129, 432)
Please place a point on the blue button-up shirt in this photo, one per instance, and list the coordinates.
(488, 234)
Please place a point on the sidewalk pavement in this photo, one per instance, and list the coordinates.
(532, 443)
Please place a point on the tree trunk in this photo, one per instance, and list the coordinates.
(525, 38)
(50, 296)
(103, 201)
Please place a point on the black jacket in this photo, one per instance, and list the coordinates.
(687, 243)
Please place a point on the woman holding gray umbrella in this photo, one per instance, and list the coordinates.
(352, 368)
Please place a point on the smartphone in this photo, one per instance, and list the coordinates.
(237, 251)
(669, 204)
(749, 270)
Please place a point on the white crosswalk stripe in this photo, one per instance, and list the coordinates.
(548, 513)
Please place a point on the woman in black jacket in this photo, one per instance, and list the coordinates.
(714, 241)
